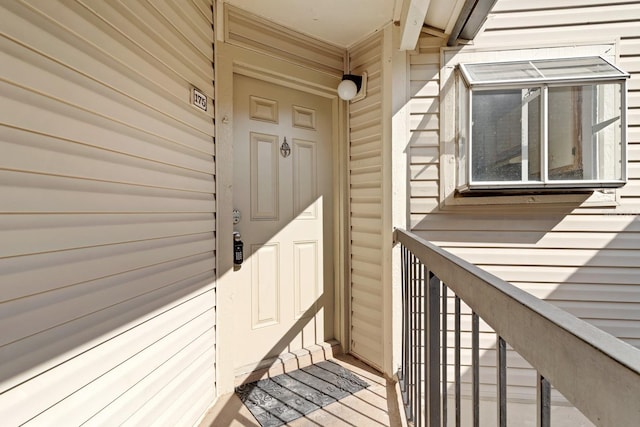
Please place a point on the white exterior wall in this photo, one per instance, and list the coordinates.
(583, 259)
(107, 213)
(366, 174)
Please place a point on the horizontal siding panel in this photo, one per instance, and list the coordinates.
(369, 62)
(366, 193)
(425, 139)
(268, 37)
(629, 47)
(172, 54)
(32, 193)
(201, 349)
(53, 80)
(491, 238)
(108, 190)
(195, 358)
(424, 106)
(424, 189)
(425, 58)
(366, 268)
(583, 292)
(52, 386)
(366, 224)
(365, 239)
(545, 36)
(192, 404)
(624, 329)
(601, 310)
(50, 271)
(574, 16)
(78, 408)
(125, 73)
(553, 274)
(420, 155)
(188, 21)
(423, 205)
(205, 8)
(541, 221)
(550, 257)
(424, 173)
(65, 123)
(36, 314)
(358, 163)
(52, 232)
(518, 5)
(370, 130)
(365, 287)
(424, 72)
(418, 88)
(371, 209)
(424, 122)
(366, 176)
(365, 117)
(26, 152)
(17, 98)
(366, 148)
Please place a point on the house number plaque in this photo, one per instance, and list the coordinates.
(198, 99)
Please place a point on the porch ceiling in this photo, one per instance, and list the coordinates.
(345, 22)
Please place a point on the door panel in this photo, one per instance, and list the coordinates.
(285, 286)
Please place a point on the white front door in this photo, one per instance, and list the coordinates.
(284, 295)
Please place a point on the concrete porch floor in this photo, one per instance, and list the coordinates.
(376, 406)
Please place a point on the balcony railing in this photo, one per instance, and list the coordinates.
(598, 373)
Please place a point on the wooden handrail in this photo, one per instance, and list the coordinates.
(598, 373)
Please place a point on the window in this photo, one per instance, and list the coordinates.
(541, 124)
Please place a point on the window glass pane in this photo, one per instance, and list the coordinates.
(522, 71)
(504, 71)
(585, 137)
(505, 135)
(576, 67)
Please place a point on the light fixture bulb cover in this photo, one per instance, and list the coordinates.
(347, 89)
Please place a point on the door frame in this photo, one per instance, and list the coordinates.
(230, 60)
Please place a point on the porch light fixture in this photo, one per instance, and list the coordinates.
(353, 87)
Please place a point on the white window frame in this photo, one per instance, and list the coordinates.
(450, 58)
(543, 86)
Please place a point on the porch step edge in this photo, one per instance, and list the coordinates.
(287, 362)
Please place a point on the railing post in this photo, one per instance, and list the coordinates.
(456, 356)
(543, 402)
(501, 368)
(433, 345)
(475, 368)
(443, 341)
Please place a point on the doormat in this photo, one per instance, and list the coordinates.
(278, 400)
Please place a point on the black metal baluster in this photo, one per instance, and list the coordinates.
(433, 344)
(475, 366)
(544, 402)
(444, 355)
(456, 372)
(501, 355)
(419, 345)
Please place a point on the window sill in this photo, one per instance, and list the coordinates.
(589, 199)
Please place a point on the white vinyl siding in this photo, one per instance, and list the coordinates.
(254, 33)
(107, 213)
(366, 205)
(583, 260)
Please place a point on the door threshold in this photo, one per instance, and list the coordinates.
(287, 362)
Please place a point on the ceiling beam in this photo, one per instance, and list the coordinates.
(413, 15)
(471, 18)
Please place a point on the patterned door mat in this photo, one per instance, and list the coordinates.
(286, 397)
